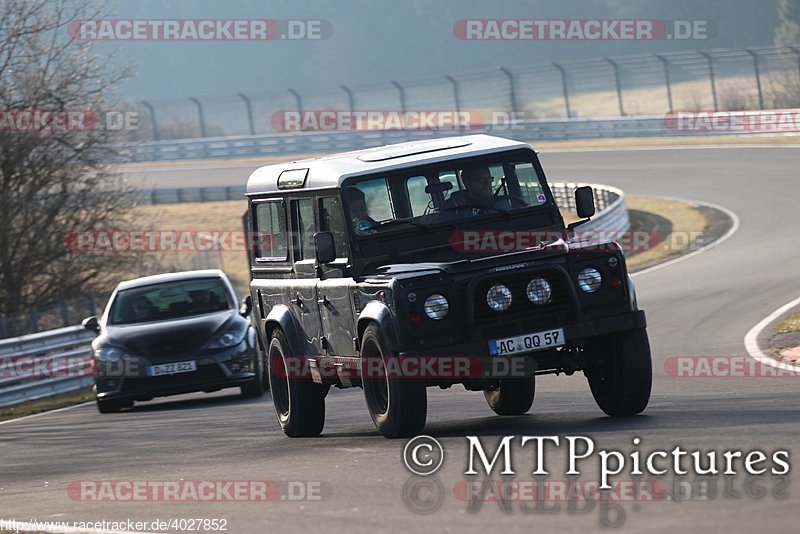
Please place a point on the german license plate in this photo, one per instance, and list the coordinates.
(172, 368)
(527, 343)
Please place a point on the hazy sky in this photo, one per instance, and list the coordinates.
(378, 40)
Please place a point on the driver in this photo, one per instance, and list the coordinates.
(478, 191)
(357, 201)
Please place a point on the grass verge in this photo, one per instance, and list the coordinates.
(45, 405)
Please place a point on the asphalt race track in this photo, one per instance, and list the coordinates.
(702, 306)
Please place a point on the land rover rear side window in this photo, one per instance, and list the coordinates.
(271, 227)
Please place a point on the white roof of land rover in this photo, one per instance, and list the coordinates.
(332, 170)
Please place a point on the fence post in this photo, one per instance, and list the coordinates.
(796, 53)
(512, 94)
(249, 112)
(402, 93)
(2, 326)
(563, 72)
(200, 116)
(758, 77)
(33, 320)
(665, 62)
(711, 76)
(92, 304)
(351, 101)
(297, 99)
(456, 96)
(619, 85)
(64, 312)
(152, 111)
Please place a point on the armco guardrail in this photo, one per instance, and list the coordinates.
(284, 144)
(44, 364)
(58, 361)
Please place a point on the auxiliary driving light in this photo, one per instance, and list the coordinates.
(589, 280)
(436, 307)
(539, 291)
(499, 298)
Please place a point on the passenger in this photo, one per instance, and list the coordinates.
(143, 308)
(359, 214)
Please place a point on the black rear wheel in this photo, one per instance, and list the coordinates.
(299, 402)
(513, 397)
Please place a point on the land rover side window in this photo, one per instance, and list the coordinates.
(376, 196)
(331, 219)
(271, 228)
(530, 189)
(303, 217)
(421, 202)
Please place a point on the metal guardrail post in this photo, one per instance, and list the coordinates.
(711, 76)
(456, 96)
(152, 111)
(563, 72)
(665, 62)
(796, 52)
(758, 77)
(249, 112)
(200, 116)
(402, 93)
(512, 94)
(615, 65)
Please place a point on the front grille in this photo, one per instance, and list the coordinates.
(522, 315)
(204, 373)
(168, 349)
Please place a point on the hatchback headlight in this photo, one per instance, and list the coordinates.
(229, 338)
(110, 354)
(499, 298)
(589, 280)
(539, 291)
(436, 307)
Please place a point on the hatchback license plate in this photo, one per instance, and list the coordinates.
(172, 368)
(527, 343)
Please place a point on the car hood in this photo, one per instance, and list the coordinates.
(169, 338)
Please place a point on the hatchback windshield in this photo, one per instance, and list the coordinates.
(443, 194)
(169, 301)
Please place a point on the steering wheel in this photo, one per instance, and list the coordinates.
(511, 202)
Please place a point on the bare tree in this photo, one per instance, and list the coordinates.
(55, 177)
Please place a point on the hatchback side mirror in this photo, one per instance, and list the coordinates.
(91, 324)
(247, 306)
(584, 202)
(325, 247)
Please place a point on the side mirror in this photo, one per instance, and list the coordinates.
(584, 202)
(325, 247)
(247, 306)
(91, 324)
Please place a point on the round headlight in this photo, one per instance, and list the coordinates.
(436, 307)
(589, 280)
(539, 291)
(499, 298)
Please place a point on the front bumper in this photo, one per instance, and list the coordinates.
(214, 372)
(574, 333)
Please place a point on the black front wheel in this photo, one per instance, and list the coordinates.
(397, 404)
(619, 370)
(112, 405)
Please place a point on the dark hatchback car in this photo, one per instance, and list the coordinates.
(170, 334)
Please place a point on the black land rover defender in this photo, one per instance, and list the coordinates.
(434, 263)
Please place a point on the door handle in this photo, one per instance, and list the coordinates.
(323, 301)
(298, 300)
